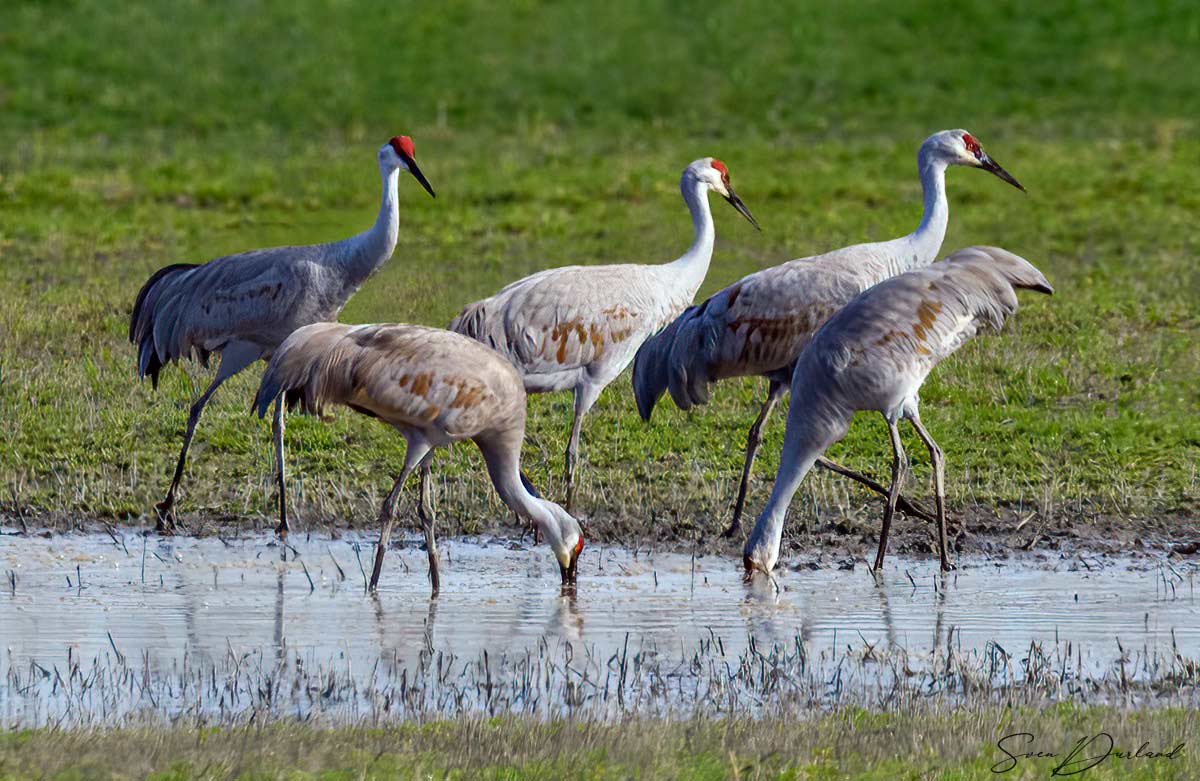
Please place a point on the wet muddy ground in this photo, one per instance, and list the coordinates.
(105, 627)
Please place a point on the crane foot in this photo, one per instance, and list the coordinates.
(165, 513)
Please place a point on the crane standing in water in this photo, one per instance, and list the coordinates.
(761, 323)
(874, 354)
(243, 306)
(434, 387)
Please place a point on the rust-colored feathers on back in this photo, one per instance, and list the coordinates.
(408, 375)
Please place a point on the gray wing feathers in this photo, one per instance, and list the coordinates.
(758, 325)
(409, 375)
(1019, 272)
(295, 368)
(259, 297)
(904, 326)
(145, 315)
(569, 317)
(653, 364)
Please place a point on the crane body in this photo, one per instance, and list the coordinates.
(760, 324)
(577, 327)
(243, 306)
(874, 354)
(434, 387)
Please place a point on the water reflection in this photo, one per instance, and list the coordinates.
(202, 598)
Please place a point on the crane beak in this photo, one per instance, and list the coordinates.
(416, 172)
(569, 571)
(736, 202)
(988, 164)
(750, 568)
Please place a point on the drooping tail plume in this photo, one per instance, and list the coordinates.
(676, 359)
(146, 317)
(1019, 272)
(651, 368)
(304, 368)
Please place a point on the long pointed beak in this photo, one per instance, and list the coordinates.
(750, 569)
(570, 571)
(988, 164)
(736, 202)
(416, 172)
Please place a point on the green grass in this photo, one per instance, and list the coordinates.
(849, 744)
(555, 134)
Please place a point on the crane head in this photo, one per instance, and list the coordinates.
(560, 530)
(715, 174)
(399, 152)
(958, 147)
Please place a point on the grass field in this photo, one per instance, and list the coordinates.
(555, 134)
(850, 744)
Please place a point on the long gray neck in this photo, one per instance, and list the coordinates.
(920, 248)
(813, 425)
(361, 255)
(689, 269)
(767, 535)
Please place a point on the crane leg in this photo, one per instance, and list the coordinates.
(753, 440)
(277, 431)
(425, 503)
(899, 471)
(939, 486)
(585, 397)
(902, 504)
(416, 451)
(237, 356)
(425, 513)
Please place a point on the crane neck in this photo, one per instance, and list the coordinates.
(502, 457)
(814, 423)
(366, 252)
(925, 242)
(765, 539)
(689, 269)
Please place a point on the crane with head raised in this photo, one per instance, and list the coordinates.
(577, 327)
(243, 306)
(874, 354)
(759, 324)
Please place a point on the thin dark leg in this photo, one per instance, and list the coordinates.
(753, 440)
(386, 518)
(899, 469)
(573, 452)
(277, 430)
(165, 509)
(939, 488)
(412, 457)
(902, 504)
(425, 503)
(425, 513)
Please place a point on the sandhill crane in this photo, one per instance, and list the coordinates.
(578, 327)
(874, 354)
(759, 324)
(434, 387)
(243, 306)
